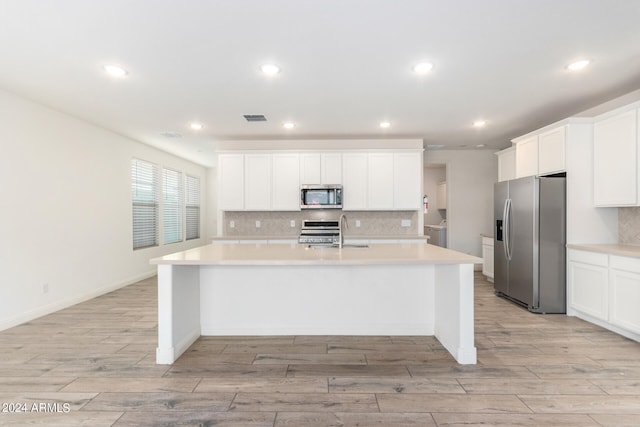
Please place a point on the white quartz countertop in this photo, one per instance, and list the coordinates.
(611, 249)
(298, 254)
(348, 237)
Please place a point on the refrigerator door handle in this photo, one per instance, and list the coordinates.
(505, 234)
(507, 229)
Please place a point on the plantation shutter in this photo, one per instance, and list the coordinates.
(172, 203)
(193, 207)
(144, 193)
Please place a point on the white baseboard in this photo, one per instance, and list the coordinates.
(68, 302)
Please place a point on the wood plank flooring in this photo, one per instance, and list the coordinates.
(94, 364)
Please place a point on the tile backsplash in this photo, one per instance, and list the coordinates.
(629, 226)
(372, 223)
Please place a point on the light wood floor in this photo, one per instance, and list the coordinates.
(94, 364)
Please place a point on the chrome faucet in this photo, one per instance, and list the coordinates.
(343, 217)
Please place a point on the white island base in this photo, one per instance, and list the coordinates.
(223, 290)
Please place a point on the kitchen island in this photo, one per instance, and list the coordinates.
(263, 289)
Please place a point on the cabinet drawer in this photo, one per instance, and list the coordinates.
(625, 263)
(593, 258)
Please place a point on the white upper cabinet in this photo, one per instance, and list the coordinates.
(331, 168)
(541, 153)
(376, 180)
(321, 168)
(231, 182)
(380, 181)
(551, 151)
(257, 182)
(354, 181)
(408, 181)
(310, 168)
(615, 160)
(286, 182)
(507, 164)
(527, 157)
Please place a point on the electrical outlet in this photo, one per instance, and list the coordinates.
(45, 288)
(357, 223)
(405, 223)
(292, 223)
(258, 224)
(232, 224)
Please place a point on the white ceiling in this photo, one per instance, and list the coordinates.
(346, 66)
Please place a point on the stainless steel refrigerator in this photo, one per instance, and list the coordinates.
(529, 237)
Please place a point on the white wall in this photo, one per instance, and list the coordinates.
(65, 210)
(470, 178)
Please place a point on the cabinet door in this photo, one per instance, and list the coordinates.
(527, 157)
(487, 257)
(551, 151)
(257, 182)
(354, 181)
(507, 164)
(615, 160)
(231, 182)
(331, 168)
(624, 293)
(589, 289)
(286, 184)
(380, 181)
(408, 181)
(310, 168)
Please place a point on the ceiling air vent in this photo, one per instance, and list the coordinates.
(171, 134)
(255, 117)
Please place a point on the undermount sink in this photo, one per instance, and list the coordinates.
(346, 245)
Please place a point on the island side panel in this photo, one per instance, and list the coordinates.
(454, 318)
(317, 300)
(178, 310)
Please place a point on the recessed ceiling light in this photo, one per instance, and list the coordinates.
(578, 65)
(481, 145)
(479, 123)
(288, 125)
(423, 68)
(195, 126)
(270, 69)
(385, 125)
(115, 71)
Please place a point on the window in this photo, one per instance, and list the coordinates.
(167, 205)
(192, 202)
(172, 205)
(144, 193)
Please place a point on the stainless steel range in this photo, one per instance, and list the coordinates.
(320, 232)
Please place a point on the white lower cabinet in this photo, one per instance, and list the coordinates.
(589, 283)
(624, 293)
(605, 289)
(487, 257)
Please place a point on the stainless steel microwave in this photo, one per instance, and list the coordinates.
(321, 196)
